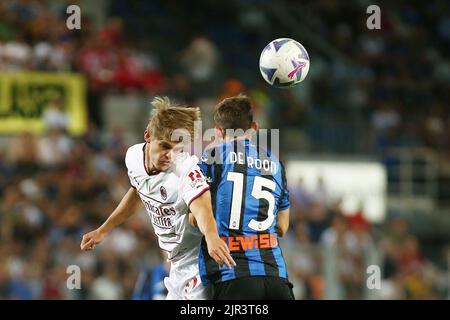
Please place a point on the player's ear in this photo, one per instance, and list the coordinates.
(147, 135)
(254, 125)
(219, 133)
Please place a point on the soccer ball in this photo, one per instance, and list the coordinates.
(284, 63)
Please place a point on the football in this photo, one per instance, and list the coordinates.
(284, 63)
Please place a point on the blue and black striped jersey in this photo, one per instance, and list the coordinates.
(248, 188)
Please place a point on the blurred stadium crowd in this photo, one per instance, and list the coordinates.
(371, 91)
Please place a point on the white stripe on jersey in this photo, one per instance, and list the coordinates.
(166, 196)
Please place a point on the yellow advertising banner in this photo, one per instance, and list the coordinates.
(24, 97)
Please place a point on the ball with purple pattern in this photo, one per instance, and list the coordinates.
(284, 63)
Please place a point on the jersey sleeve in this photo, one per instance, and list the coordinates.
(128, 160)
(193, 181)
(284, 202)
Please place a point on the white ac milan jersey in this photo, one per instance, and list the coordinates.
(166, 196)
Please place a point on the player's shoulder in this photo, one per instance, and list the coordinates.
(216, 151)
(263, 150)
(134, 154)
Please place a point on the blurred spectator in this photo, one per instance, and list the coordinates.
(390, 84)
(318, 220)
(306, 263)
(139, 70)
(106, 287)
(112, 31)
(200, 60)
(24, 152)
(337, 233)
(16, 55)
(232, 87)
(54, 148)
(54, 116)
(320, 193)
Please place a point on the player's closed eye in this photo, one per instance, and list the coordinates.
(165, 146)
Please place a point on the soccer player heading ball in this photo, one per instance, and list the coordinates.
(169, 183)
(251, 205)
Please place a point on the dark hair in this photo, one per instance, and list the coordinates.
(234, 113)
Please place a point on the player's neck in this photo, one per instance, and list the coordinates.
(231, 138)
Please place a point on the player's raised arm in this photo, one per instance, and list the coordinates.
(202, 211)
(282, 225)
(126, 208)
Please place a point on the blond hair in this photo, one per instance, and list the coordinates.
(167, 117)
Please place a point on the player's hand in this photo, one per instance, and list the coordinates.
(91, 239)
(218, 250)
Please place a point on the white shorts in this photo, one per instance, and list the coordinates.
(185, 284)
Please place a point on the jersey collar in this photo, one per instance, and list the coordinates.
(150, 173)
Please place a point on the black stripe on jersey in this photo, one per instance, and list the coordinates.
(283, 182)
(212, 268)
(216, 182)
(208, 172)
(263, 152)
(215, 164)
(208, 161)
(242, 268)
(267, 256)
